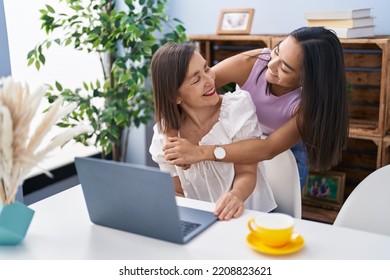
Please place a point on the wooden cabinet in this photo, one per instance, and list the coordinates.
(367, 69)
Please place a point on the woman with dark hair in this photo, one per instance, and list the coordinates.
(186, 101)
(299, 90)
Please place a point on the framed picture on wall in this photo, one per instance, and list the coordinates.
(324, 189)
(235, 21)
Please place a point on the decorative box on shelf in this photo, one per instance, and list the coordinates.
(367, 68)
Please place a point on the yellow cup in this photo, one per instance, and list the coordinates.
(273, 229)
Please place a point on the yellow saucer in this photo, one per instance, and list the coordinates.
(295, 244)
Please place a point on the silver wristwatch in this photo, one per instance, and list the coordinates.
(219, 153)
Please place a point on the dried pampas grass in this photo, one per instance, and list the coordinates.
(20, 151)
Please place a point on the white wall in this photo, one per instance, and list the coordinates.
(63, 64)
(271, 17)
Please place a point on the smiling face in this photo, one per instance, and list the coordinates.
(285, 67)
(198, 88)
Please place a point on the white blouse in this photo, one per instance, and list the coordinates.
(209, 179)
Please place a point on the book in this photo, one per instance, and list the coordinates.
(338, 14)
(358, 32)
(343, 23)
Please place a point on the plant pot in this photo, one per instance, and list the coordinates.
(15, 220)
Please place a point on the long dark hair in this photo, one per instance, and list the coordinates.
(322, 117)
(168, 68)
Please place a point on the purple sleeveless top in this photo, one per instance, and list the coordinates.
(272, 111)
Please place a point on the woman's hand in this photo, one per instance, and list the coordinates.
(229, 206)
(179, 151)
(165, 142)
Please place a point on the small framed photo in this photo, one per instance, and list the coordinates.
(324, 189)
(235, 21)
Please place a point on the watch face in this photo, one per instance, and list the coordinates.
(219, 153)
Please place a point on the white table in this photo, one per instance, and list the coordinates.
(61, 230)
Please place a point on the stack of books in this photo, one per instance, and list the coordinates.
(348, 23)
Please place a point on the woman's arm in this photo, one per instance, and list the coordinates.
(231, 204)
(177, 184)
(235, 69)
(181, 151)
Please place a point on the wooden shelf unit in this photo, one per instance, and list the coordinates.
(367, 62)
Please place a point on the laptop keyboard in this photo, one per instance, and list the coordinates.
(188, 227)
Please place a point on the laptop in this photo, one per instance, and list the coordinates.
(137, 199)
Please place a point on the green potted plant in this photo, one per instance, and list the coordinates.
(125, 34)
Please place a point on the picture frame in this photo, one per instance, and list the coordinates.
(324, 189)
(235, 21)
